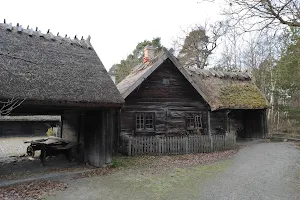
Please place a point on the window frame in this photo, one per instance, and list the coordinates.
(192, 119)
(166, 81)
(142, 126)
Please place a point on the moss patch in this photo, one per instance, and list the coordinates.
(242, 96)
(127, 161)
(179, 183)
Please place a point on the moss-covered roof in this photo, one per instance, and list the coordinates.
(228, 90)
(242, 95)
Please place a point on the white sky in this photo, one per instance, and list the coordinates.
(115, 26)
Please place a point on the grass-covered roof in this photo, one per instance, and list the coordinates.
(228, 90)
(245, 95)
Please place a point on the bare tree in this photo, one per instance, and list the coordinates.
(198, 43)
(230, 54)
(251, 15)
(9, 105)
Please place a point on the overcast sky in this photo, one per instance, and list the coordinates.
(115, 26)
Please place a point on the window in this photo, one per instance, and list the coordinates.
(166, 81)
(144, 121)
(198, 122)
(190, 122)
(140, 121)
(149, 121)
(193, 121)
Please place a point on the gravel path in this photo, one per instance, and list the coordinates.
(258, 171)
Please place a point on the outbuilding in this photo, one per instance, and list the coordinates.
(53, 75)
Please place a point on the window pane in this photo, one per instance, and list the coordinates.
(139, 121)
(149, 123)
(142, 121)
(198, 123)
(190, 122)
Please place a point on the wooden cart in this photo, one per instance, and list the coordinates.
(51, 147)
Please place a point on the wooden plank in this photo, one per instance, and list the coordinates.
(150, 145)
(165, 145)
(129, 146)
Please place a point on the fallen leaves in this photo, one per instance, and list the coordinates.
(95, 172)
(157, 164)
(31, 190)
(192, 159)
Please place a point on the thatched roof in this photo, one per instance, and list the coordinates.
(221, 90)
(46, 68)
(228, 90)
(139, 74)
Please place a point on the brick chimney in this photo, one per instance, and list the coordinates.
(148, 53)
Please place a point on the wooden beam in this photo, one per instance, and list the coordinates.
(209, 130)
(117, 138)
(208, 123)
(227, 122)
(102, 141)
(264, 124)
(61, 126)
(109, 136)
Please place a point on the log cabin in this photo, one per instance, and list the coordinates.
(163, 98)
(54, 75)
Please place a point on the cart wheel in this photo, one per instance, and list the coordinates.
(30, 151)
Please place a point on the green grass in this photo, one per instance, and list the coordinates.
(180, 182)
(127, 161)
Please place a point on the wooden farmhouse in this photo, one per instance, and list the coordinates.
(163, 98)
(57, 75)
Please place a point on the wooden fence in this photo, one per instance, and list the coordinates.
(155, 145)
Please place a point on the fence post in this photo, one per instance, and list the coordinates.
(186, 144)
(129, 146)
(158, 145)
(234, 140)
(209, 131)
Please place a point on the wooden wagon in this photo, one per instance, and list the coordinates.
(51, 147)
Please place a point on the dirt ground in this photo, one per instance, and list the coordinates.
(256, 171)
(15, 164)
(14, 168)
(23, 169)
(14, 146)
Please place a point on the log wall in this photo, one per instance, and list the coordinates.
(170, 96)
(94, 131)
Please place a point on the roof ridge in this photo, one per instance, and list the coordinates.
(142, 65)
(84, 43)
(221, 74)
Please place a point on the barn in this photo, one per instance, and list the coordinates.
(28, 126)
(54, 75)
(163, 98)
